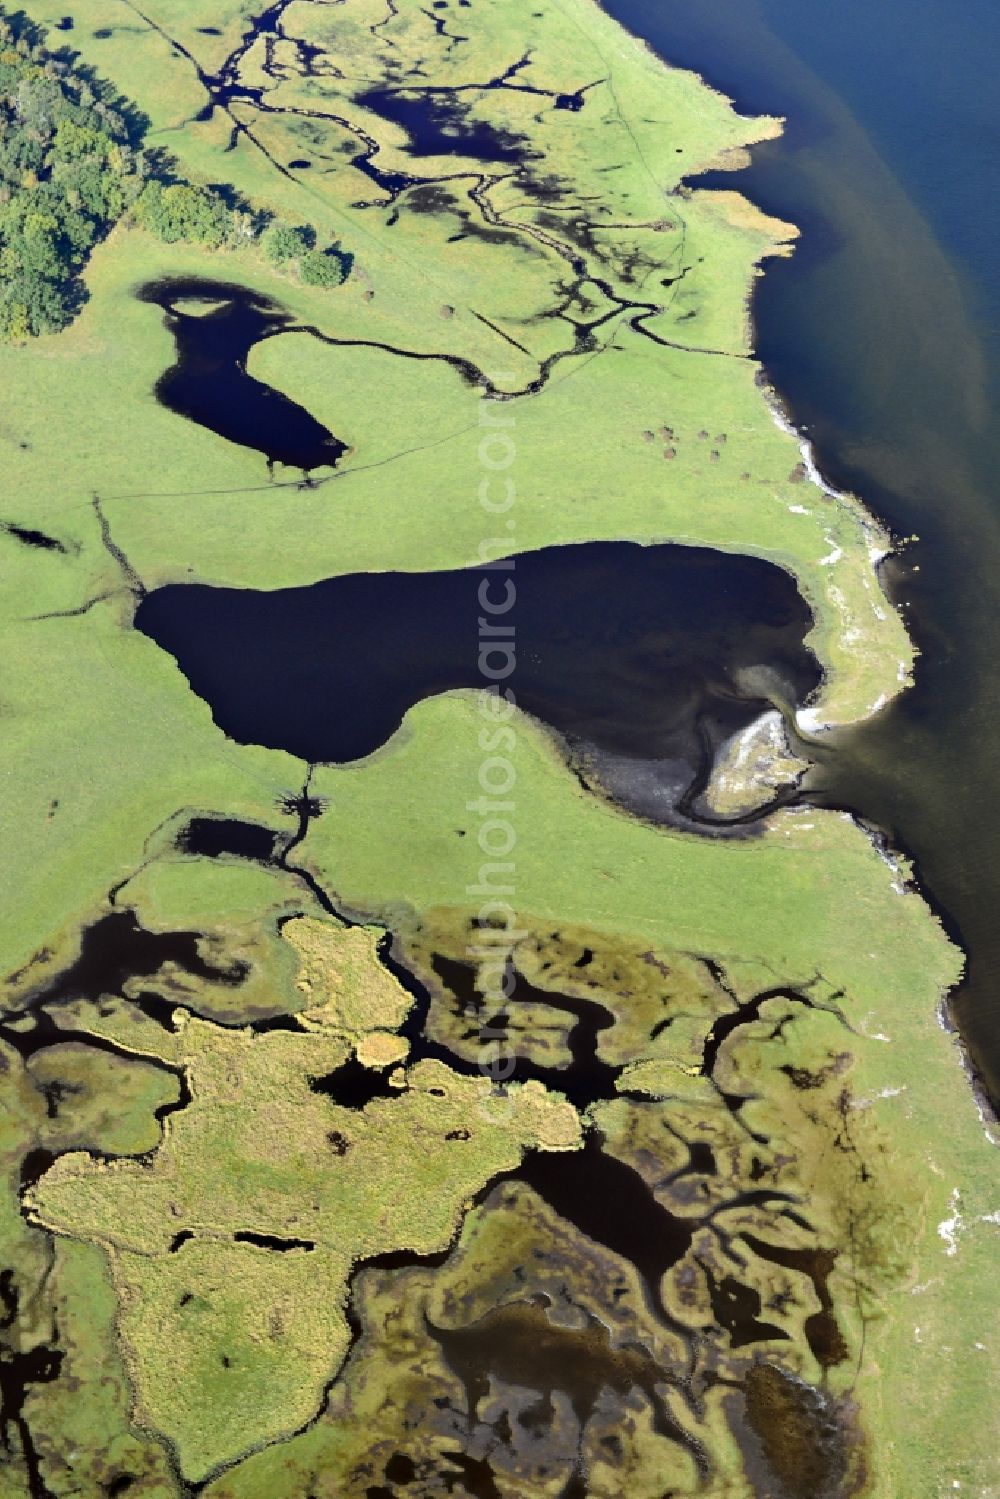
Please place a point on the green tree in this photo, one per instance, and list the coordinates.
(281, 242)
(183, 212)
(324, 267)
(70, 169)
(67, 174)
(74, 142)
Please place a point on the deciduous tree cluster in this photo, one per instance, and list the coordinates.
(72, 164)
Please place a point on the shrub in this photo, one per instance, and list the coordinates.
(180, 211)
(324, 268)
(281, 242)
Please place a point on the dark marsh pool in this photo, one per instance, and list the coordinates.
(215, 324)
(649, 657)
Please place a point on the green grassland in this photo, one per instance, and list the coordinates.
(185, 1347)
(780, 905)
(515, 273)
(178, 500)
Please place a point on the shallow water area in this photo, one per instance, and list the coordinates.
(882, 336)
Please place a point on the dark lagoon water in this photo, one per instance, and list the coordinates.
(883, 335)
(646, 656)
